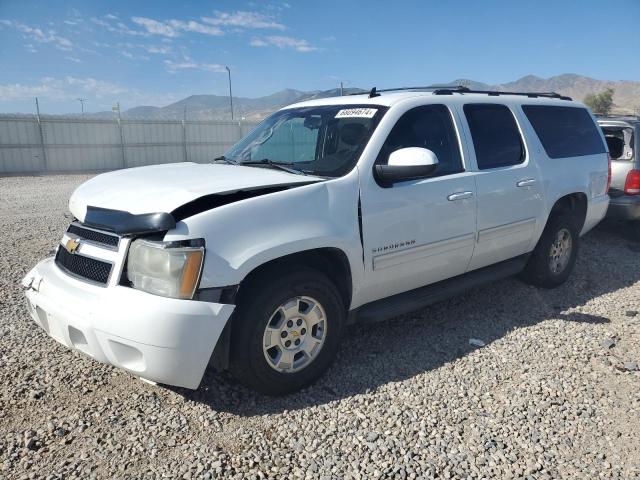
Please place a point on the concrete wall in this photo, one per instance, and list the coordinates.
(29, 144)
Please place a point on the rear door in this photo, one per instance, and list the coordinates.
(508, 182)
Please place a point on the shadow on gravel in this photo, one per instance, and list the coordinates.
(374, 355)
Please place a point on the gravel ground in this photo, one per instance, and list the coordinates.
(507, 381)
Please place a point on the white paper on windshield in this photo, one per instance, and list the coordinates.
(357, 113)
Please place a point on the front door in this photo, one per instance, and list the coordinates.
(418, 232)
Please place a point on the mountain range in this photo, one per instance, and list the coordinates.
(207, 107)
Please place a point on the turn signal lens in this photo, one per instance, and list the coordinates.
(191, 274)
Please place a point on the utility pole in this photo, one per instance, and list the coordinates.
(184, 134)
(230, 94)
(44, 150)
(81, 100)
(115, 108)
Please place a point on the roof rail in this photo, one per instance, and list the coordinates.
(494, 93)
(451, 89)
(374, 91)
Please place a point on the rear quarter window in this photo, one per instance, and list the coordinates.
(565, 131)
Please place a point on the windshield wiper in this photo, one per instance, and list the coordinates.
(281, 165)
(224, 159)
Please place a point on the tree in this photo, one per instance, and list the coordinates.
(600, 103)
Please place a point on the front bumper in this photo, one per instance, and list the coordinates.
(160, 339)
(624, 207)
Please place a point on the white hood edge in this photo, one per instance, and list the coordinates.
(163, 188)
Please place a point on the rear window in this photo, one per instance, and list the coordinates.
(565, 131)
(620, 142)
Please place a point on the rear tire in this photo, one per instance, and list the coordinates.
(555, 255)
(286, 331)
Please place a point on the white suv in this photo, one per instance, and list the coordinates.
(331, 211)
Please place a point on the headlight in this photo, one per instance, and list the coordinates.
(164, 268)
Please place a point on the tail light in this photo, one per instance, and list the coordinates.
(632, 184)
(609, 175)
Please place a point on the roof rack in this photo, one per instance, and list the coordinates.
(374, 92)
(451, 89)
(495, 93)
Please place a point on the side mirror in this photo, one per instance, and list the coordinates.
(409, 163)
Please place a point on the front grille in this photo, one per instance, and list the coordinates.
(94, 236)
(84, 267)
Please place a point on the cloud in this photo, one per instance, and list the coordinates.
(133, 56)
(297, 44)
(158, 49)
(94, 90)
(36, 34)
(243, 19)
(154, 49)
(154, 27)
(73, 59)
(97, 88)
(258, 42)
(118, 27)
(173, 28)
(60, 89)
(17, 91)
(189, 64)
(196, 27)
(170, 29)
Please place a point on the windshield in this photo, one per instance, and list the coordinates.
(324, 140)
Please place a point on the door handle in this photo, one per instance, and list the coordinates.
(459, 196)
(529, 182)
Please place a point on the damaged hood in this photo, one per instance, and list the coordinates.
(164, 188)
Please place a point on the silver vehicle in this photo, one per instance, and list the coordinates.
(623, 138)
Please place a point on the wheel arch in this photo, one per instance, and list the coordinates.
(331, 261)
(575, 203)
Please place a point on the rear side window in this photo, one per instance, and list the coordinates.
(565, 131)
(495, 134)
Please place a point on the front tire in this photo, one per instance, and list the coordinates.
(555, 255)
(286, 331)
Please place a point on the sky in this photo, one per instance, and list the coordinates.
(157, 52)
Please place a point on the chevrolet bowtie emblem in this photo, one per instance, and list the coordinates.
(72, 245)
